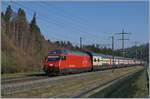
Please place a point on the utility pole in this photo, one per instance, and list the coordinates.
(112, 43)
(141, 55)
(112, 40)
(10, 3)
(136, 49)
(80, 42)
(123, 41)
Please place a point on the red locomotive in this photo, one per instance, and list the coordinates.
(70, 61)
(63, 61)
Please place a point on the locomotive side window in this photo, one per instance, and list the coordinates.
(63, 57)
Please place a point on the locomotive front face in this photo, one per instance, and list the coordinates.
(52, 63)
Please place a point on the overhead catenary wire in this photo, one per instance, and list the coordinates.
(66, 14)
(71, 19)
(47, 20)
(78, 25)
(54, 22)
(52, 36)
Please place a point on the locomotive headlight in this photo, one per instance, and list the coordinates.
(51, 64)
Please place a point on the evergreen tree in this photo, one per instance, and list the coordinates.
(2, 15)
(8, 13)
(37, 38)
(33, 24)
(22, 28)
(21, 12)
(2, 22)
(22, 16)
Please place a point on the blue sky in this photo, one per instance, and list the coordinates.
(93, 21)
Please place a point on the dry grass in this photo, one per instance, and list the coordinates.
(68, 88)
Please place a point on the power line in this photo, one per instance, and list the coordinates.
(65, 16)
(47, 20)
(42, 19)
(77, 18)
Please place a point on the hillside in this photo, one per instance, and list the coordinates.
(139, 52)
(23, 45)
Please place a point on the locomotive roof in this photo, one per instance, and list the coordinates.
(66, 51)
(101, 55)
(107, 56)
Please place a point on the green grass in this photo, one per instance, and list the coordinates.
(133, 87)
(141, 86)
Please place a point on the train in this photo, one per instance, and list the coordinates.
(63, 61)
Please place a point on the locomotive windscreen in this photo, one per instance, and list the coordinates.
(53, 58)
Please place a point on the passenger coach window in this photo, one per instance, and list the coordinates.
(94, 59)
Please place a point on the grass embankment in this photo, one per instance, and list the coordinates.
(133, 87)
(70, 87)
(138, 86)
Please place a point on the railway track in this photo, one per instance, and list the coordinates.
(32, 77)
(17, 84)
(21, 79)
(52, 86)
(26, 78)
(21, 75)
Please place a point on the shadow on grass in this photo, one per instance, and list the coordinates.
(39, 74)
